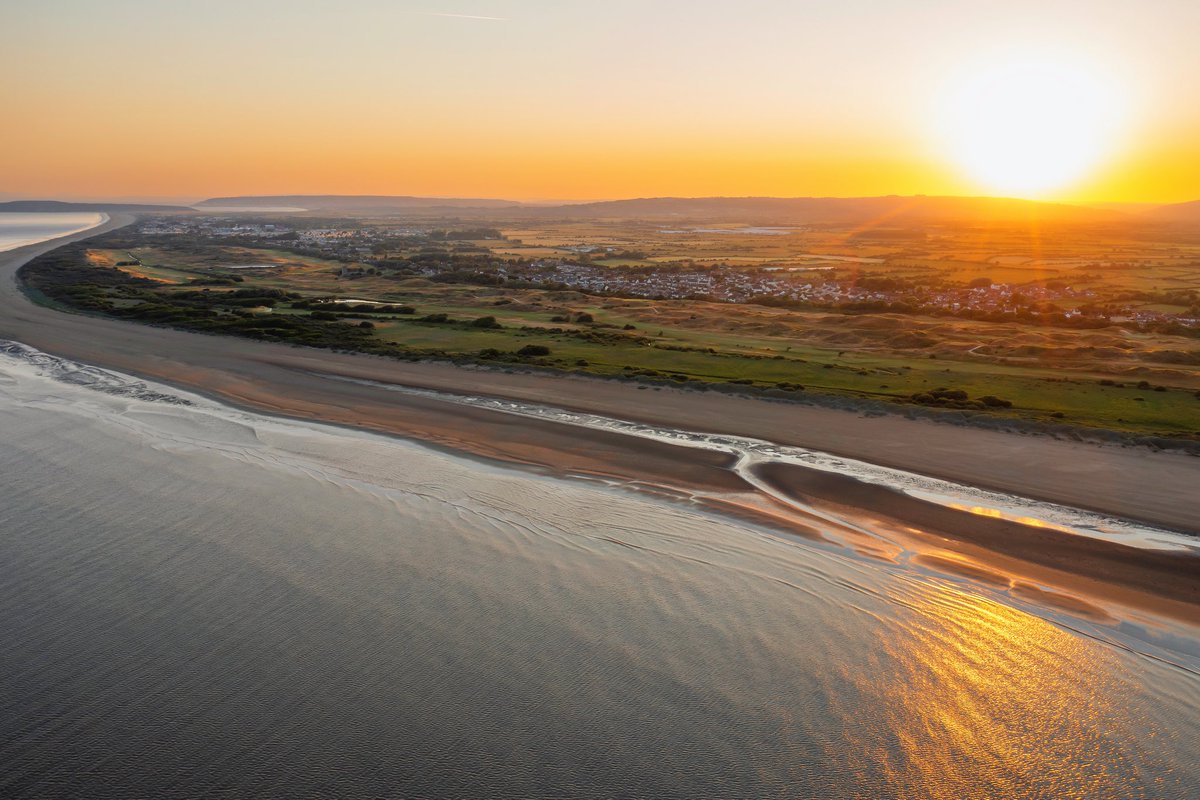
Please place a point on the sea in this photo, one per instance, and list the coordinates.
(199, 601)
(18, 229)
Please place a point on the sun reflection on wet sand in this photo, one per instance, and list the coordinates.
(995, 513)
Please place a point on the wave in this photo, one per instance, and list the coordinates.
(752, 452)
(88, 377)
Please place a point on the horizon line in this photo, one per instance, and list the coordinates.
(187, 202)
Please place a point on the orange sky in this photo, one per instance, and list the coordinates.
(565, 100)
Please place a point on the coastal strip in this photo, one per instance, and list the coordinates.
(1132, 483)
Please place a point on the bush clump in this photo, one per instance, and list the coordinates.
(486, 322)
(957, 398)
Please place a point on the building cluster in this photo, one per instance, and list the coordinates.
(217, 227)
(739, 285)
(719, 283)
(1007, 298)
(355, 243)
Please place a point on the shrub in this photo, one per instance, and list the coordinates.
(486, 322)
(366, 324)
(534, 350)
(950, 394)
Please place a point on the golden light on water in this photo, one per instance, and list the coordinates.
(984, 700)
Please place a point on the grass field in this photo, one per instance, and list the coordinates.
(1046, 374)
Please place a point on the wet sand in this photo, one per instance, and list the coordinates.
(1139, 484)
(1002, 551)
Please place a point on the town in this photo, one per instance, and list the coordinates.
(469, 255)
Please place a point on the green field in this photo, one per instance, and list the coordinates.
(1085, 378)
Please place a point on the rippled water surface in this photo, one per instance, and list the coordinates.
(21, 229)
(199, 601)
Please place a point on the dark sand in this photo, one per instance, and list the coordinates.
(1164, 581)
(1160, 488)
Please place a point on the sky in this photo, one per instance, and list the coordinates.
(578, 100)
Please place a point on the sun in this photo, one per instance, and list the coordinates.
(1029, 126)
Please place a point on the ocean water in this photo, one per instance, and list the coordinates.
(198, 601)
(17, 230)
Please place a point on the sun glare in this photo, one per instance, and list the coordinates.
(1028, 127)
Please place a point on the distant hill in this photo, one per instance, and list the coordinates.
(889, 210)
(1176, 212)
(352, 203)
(57, 206)
(838, 210)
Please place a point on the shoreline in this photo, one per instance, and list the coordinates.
(8, 248)
(917, 442)
(996, 550)
(298, 383)
(1054, 568)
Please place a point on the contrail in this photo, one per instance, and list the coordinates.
(460, 16)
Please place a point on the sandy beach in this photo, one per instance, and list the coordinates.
(1131, 483)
